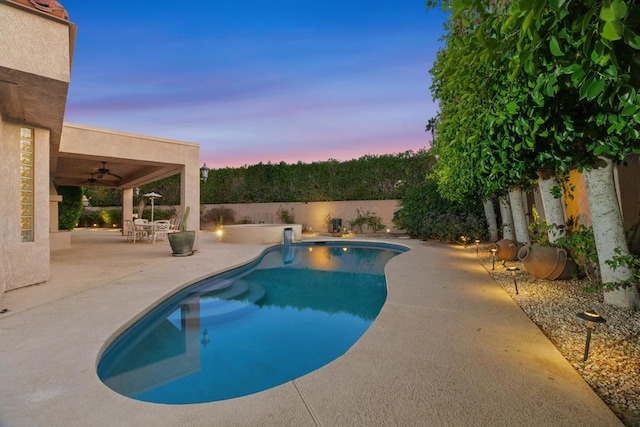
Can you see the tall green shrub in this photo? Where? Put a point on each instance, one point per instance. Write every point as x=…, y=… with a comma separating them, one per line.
x=426, y=215
x=70, y=209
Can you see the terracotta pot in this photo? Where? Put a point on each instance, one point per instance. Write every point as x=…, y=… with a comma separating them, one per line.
x=507, y=249
x=51, y=7
x=547, y=262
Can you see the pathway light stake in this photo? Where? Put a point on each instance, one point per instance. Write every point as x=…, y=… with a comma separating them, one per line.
x=464, y=241
x=591, y=316
x=477, y=246
x=493, y=258
x=513, y=273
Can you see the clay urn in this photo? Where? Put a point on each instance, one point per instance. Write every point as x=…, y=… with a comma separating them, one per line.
x=507, y=250
x=547, y=262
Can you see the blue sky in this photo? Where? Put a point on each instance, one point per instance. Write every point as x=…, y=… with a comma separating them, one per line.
x=254, y=81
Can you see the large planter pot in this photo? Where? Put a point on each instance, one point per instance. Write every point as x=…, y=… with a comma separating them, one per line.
x=547, y=262
x=182, y=242
x=507, y=250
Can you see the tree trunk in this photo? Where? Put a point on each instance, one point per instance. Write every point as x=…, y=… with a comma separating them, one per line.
x=608, y=231
x=507, y=220
x=519, y=217
x=141, y=206
x=490, y=213
x=553, y=207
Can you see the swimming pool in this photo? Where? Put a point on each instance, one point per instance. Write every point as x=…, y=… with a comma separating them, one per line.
x=290, y=312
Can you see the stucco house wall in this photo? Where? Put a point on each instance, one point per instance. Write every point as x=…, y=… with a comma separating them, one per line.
x=23, y=263
x=36, y=52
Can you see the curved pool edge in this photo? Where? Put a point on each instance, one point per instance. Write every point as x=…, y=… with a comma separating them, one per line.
x=200, y=274
x=119, y=332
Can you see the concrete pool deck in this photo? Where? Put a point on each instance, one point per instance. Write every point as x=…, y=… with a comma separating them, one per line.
x=449, y=348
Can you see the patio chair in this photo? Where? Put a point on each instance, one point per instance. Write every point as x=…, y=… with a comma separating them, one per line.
x=160, y=230
x=139, y=230
x=128, y=229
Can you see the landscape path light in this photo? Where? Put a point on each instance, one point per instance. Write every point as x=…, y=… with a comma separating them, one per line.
x=513, y=273
x=477, y=246
x=493, y=258
x=591, y=317
x=464, y=241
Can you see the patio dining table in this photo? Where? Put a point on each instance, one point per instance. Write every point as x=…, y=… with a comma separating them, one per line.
x=156, y=230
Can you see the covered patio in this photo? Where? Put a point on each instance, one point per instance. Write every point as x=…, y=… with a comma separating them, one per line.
x=89, y=156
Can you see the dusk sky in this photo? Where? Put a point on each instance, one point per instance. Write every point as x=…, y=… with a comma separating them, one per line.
x=258, y=81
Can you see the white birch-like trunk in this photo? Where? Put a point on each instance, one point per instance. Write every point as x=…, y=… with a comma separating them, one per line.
x=519, y=217
x=507, y=220
x=608, y=231
x=553, y=208
x=490, y=213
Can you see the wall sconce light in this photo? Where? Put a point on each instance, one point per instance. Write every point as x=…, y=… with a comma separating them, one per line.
x=493, y=258
x=513, y=273
x=591, y=317
x=477, y=247
x=136, y=191
x=204, y=172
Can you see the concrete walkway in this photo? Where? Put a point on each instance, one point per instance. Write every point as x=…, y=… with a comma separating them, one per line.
x=450, y=348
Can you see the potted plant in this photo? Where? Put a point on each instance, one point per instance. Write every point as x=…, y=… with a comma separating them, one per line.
x=182, y=241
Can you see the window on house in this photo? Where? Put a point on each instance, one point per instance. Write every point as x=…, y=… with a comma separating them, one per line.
x=26, y=184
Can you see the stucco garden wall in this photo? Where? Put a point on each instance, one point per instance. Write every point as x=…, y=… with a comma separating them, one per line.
x=313, y=214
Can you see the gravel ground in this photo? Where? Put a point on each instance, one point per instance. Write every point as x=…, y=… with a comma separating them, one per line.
x=613, y=365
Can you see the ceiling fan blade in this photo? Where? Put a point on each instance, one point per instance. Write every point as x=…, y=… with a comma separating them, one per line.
x=113, y=174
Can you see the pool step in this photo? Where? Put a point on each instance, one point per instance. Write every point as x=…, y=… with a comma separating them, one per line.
x=231, y=302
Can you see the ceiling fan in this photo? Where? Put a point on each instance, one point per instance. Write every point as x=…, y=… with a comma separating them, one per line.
x=104, y=171
x=91, y=181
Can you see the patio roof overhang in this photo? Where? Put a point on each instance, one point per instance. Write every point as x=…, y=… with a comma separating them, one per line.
x=132, y=160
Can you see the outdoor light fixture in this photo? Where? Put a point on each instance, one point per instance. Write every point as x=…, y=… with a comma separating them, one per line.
x=513, y=273
x=464, y=241
x=136, y=191
x=477, y=246
x=591, y=317
x=493, y=258
x=204, y=172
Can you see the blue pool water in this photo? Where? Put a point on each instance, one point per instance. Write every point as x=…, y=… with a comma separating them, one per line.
x=289, y=313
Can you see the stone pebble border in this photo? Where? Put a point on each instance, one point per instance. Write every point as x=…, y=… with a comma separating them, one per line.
x=613, y=365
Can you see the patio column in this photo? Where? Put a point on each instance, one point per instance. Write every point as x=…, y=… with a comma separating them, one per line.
x=127, y=206
x=190, y=192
